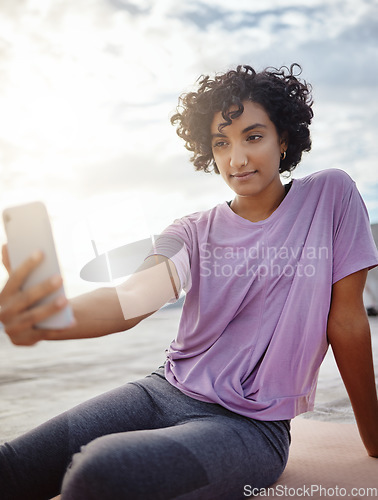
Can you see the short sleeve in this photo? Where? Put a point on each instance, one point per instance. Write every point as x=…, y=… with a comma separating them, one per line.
x=173, y=244
x=354, y=247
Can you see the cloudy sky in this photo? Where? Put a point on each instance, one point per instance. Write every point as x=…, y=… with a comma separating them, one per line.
x=87, y=88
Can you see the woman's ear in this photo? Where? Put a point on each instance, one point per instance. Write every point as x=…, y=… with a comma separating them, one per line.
x=284, y=141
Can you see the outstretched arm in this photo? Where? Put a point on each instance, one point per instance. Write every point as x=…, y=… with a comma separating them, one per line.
x=97, y=313
x=349, y=335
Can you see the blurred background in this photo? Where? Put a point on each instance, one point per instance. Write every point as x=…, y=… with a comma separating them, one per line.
x=87, y=88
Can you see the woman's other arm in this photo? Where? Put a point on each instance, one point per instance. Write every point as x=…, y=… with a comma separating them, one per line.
x=349, y=335
x=97, y=313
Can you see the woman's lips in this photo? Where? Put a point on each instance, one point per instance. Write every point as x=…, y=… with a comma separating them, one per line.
x=244, y=175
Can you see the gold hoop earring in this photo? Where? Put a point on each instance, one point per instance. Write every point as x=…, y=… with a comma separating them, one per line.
x=283, y=155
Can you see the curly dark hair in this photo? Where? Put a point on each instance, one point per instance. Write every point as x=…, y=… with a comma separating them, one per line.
x=284, y=97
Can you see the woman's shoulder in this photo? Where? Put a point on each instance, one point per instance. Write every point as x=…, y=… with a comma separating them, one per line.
x=202, y=216
x=195, y=223
x=331, y=178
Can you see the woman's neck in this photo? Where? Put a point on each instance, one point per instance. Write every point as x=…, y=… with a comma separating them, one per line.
x=260, y=207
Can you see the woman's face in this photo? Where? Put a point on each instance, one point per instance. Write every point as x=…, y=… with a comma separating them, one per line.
x=247, y=152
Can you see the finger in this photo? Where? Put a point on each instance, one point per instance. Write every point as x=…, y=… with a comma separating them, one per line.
x=19, y=275
x=22, y=326
x=51, y=334
x=26, y=337
x=25, y=299
x=5, y=258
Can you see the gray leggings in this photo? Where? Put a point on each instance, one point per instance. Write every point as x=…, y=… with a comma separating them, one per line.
x=145, y=440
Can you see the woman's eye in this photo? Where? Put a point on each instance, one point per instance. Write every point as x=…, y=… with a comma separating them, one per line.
x=253, y=137
x=219, y=144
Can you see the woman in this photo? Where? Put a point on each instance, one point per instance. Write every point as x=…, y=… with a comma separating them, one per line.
x=271, y=278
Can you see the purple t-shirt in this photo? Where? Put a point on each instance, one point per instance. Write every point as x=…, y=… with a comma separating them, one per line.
x=252, y=334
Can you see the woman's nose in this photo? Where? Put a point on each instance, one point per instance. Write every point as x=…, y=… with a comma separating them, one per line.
x=238, y=157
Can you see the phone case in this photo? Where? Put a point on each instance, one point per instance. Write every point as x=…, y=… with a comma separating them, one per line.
x=28, y=229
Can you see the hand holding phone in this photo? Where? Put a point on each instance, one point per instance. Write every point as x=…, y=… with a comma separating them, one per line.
x=28, y=230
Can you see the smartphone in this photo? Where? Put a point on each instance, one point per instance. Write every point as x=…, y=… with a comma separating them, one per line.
x=28, y=229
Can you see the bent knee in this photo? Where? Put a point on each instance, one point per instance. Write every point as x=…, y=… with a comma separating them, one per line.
x=89, y=471
x=139, y=465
